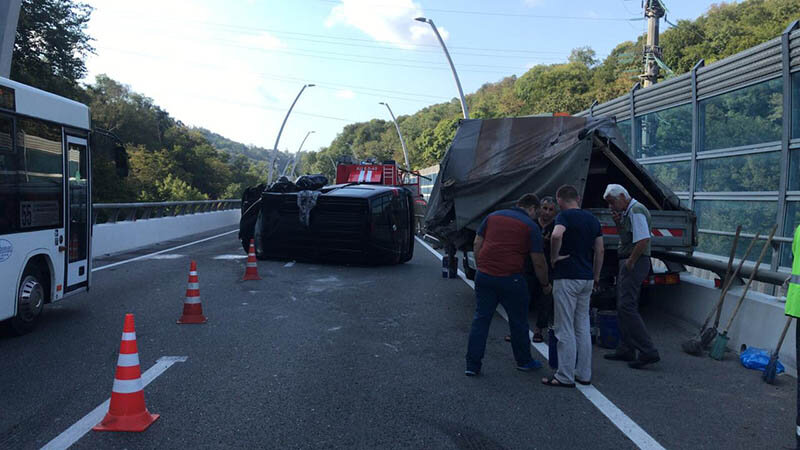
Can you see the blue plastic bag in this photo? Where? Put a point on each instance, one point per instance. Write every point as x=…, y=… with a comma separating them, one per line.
x=758, y=359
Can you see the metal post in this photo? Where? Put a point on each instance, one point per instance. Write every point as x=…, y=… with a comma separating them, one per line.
x=402, y=141
x=785, y=137
x=277, y=139
x=634, y=141
x=296, y=155
x=464, y=108
x=696, y=133
x=9, y=16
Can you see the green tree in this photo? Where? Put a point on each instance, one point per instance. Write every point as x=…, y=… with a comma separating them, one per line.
x=51, y=44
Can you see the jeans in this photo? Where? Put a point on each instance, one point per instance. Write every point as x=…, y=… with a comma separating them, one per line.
x=512, y=293
x=543, y=304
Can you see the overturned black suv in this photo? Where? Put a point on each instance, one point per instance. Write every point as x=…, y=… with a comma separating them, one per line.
x=347, y=224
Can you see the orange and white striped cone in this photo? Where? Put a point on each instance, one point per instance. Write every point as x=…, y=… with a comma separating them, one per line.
x=127, y=411
x=192, y=307
x=251, y=272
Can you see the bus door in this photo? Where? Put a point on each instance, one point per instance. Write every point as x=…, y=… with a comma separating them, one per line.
x=77, y=221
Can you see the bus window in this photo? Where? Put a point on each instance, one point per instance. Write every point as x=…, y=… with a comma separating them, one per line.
x=8, y=177
x=40, y=174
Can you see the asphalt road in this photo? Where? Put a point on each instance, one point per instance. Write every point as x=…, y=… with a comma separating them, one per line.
x=324, y=356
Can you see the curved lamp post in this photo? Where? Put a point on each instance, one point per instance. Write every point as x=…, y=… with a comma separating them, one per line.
x=277, y=139
x=464, y=108
x=402, y=141
x=297, y=155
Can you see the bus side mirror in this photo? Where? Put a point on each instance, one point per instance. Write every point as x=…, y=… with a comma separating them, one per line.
x=121, y=161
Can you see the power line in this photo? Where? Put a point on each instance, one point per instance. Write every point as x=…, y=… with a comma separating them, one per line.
x=360, y=89
x=499, y=14
x=136, y=16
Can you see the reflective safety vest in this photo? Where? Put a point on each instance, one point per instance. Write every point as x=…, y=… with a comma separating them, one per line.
x=793, y=295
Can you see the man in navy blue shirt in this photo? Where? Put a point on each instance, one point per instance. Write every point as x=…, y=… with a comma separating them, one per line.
x=503, y=241
x=576, y=251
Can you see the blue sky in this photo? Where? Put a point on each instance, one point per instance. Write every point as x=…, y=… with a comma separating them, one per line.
x=234, y=67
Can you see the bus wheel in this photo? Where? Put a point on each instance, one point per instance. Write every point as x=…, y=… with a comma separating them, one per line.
x=30, y=303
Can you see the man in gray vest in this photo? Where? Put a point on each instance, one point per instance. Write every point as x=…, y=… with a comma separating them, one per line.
x=633, y=226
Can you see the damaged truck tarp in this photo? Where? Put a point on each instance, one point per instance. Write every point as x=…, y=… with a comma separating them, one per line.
x=493, y=162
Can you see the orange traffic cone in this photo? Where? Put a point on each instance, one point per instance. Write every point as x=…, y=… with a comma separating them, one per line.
x=127, y=411
x=251, y=273
x=192, y=307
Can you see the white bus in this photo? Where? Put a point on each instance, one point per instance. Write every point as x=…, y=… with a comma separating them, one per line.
x=45, y=201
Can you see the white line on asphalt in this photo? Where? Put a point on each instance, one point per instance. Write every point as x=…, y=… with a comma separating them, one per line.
x=150, y=255
x=81, y=427
x=624, y=423
x=289, y=264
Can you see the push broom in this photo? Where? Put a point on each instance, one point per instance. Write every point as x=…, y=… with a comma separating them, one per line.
x=718, y=350
x=696, y=344
x=772, y=367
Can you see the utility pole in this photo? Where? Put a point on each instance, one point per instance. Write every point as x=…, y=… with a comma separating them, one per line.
x=653, y=11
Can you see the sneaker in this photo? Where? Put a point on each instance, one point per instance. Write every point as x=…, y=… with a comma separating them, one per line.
x=471, y=373
x=533, y=365
x=644, y=360
x=616, y=356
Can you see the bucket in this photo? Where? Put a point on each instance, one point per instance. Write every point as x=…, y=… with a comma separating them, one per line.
x=552, y=347
x=608, y=324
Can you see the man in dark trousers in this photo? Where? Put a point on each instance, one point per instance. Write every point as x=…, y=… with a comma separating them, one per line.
x=577, y=257
x=503, y=241
x=633, y=225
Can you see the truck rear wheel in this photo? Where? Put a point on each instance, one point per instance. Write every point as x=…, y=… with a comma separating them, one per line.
x=31, y=296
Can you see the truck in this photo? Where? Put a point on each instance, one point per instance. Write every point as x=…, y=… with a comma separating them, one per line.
x=493, y=162
x=386, y=173
x=368, y=217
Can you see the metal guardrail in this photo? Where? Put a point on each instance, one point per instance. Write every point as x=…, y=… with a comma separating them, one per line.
x=116, y=212
x=719, y=267
x=776, y=239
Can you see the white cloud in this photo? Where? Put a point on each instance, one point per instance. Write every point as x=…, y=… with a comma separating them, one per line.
x=392, y=21
x=346, y=94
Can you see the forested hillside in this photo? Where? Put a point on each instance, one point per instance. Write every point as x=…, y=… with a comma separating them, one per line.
x=571, y=87
x=170, y=161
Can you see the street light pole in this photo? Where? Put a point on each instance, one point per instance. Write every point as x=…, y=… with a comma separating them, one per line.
x=464, y=108
x=277, y=139
x=402, y=141
x=296, y=155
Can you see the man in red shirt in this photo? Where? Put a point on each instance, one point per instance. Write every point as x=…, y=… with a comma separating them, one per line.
x=503, y=241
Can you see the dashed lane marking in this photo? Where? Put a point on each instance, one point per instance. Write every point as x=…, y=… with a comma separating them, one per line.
x=229, y=257
x=620, y=420
x=167, y=256
x=289, y=264
x=82, y=426
x=150, y=255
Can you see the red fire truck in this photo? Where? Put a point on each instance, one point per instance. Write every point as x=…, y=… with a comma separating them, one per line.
x=389, y=174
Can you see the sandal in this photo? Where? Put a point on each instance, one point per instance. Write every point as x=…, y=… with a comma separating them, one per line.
x=553, y=382
x=508, y=338
x=585, y=383
x=537, y=337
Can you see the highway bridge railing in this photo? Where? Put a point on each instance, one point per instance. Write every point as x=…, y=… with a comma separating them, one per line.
x=119, y=212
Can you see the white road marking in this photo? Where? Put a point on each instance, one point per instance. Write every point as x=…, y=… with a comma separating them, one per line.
x=82, y=426
x=334, y=329
x=230, y=257
x=167, y=256
x=328, y=279
x=289, y=264
x=149, y=255
x=624, y=423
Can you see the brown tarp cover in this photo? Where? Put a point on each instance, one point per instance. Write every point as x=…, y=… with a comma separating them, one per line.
x=492, y=162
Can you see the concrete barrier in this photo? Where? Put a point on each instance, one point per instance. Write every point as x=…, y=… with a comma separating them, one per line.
x=758, y=324
x=110, y=238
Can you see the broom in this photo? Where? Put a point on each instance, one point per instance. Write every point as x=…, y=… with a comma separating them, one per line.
x=695, y=344
x=718, y=350
x=772, y=367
